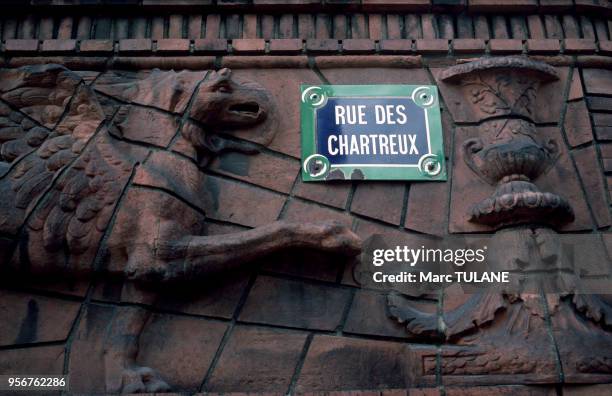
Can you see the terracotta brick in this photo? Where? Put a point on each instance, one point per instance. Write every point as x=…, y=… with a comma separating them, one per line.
x=597, y=81
x=588, y=168
x=465, y=26
x=285, y=26
x=305, y=263
x=288, y=303
x=269, y=171
x=518, y=27
x=19, y=45
x=135, y=45
x=376, y=75
x=358, y=46
x=333, y=194
x=64, y=30
x=577, y=124
x=337, y=363
x=605, y=47
x=396, y=46
x=286, y=46
x=210, y=45
x=58, y=46
x=579, y=46
x=570, y=26
x=43, y=359
x=213, y=22
x=322, y=45
x=29, y=318
x=606, y=151
x=587, y=390
x=575, y=91
x=427, y=46
x=28, y=28
x=505, y=46
x=257, y=359
x=298, y=210
x=602, y=119
x=194, y=27
x=322, y=26
x=501, y=390
x=45, y=27
x=306, y=26
x=429, y=27
x=555, y=5
x=462, y=46
x=249, y=26
x=481, y=27
x=599, y=103
x=232, y=26
x=395, y=5
x=394, y=29
x=267, y=26
x=249, y=46
x=340, y=26
x=446, y=26
x=427, y=209
x=603, y=133
x=375, y=28
x=502, y=5
x=543, y=46
x=553, y=27
x=500, y=27
x=379, y=200
x=99, y=46
x=87, y=350
x=173, y=45
x=359, y=27
x=368, y=316
x=188, y=360
x=83, y=28
x=238, y=200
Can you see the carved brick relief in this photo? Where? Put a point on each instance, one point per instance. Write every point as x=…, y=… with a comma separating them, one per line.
x=504, y=334
x=109, y=186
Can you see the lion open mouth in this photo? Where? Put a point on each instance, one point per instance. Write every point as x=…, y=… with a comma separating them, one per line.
x=247, y=109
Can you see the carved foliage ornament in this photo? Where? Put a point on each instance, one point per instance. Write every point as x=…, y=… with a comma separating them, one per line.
x=509, y=153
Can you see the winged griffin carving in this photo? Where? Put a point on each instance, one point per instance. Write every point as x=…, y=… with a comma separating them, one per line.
x=71, y=171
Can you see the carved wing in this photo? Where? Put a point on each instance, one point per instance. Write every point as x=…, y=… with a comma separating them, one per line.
x=48, y=116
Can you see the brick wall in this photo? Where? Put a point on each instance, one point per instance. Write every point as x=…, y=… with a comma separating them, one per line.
x=299, y=322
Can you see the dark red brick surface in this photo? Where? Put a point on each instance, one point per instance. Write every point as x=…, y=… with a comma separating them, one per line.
x=300, y=322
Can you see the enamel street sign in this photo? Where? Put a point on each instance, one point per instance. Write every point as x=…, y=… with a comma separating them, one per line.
x=376, y=132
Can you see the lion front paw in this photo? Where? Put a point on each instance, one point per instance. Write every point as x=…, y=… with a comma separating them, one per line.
x=142, y=379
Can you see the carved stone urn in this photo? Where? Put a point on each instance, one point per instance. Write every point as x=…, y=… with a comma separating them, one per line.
x=509, y=153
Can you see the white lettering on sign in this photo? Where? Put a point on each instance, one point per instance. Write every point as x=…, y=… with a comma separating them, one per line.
x=392, y=144
x=390, y=114
x=350, y=115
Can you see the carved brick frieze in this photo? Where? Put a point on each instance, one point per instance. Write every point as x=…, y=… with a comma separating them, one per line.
x=119, y=189
x=502, y=333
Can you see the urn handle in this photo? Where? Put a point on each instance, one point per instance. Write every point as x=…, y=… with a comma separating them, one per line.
x=470, y=148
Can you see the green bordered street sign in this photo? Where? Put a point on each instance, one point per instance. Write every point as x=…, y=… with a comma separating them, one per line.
x=376, y=132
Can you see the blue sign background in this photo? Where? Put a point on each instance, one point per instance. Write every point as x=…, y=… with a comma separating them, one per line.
x=326, y=126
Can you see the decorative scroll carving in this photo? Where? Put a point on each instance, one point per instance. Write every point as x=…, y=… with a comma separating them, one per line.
x=69, y=165
x=503, y=332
